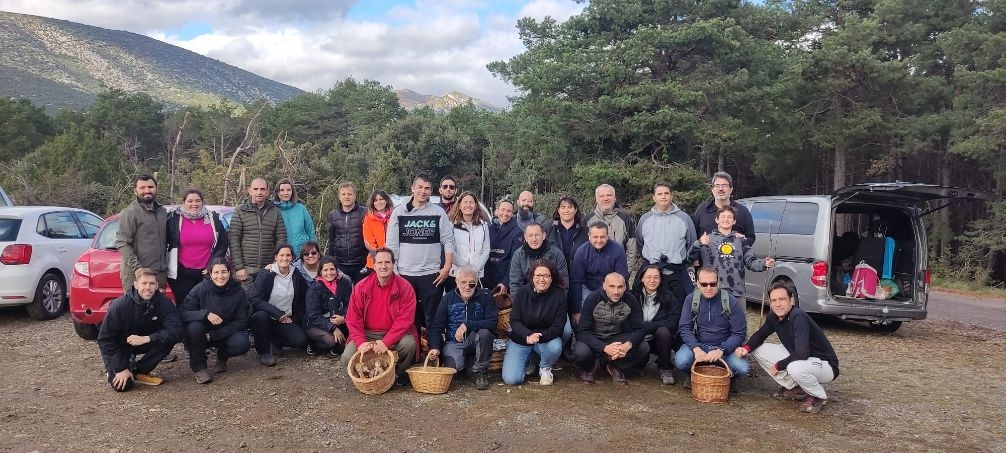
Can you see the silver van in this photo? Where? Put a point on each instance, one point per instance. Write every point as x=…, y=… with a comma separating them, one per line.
x=815, y=240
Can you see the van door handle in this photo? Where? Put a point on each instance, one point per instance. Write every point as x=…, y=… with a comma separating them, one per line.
x=794, y=259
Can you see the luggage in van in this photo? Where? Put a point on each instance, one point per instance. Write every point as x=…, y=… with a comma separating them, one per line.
x=878, y=252
x=864, y=282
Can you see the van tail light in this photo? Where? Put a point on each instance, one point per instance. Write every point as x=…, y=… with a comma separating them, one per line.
x=926, y=278
x=16, y=254
x=820, y=276
x=82, y=268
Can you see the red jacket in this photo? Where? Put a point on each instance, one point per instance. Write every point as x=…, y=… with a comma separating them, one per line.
x=390, y=308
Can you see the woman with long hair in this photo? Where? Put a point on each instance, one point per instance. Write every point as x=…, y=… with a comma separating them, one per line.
x=296, y=218
x=375, y=223
x=661, y=312
x=194, y=235
x=277, y=319
x=471, y=238
x=537, y=318
x=215, y=314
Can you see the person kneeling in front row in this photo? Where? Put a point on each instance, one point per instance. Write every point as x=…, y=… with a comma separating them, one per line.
x=712, y=325
x=215, y=314
x=381, y=315
x=463, y=324
x=142, y=321
x=803, y=361
x=610, y=331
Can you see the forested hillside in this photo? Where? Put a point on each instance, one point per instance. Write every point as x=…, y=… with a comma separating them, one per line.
x=790, y=97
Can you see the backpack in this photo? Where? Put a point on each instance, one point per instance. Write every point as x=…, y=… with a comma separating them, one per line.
x=863, y=284
x=697, y=297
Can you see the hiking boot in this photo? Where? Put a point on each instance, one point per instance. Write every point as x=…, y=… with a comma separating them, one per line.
x=667, y=377
x=278, y=351
x=812, y=404
x=546, y=376
x=687, y=383
x=221, y=366
x=733, y=384
x=530, y=369
x=311, y=351
x=402, y=380
x=171, y=357
x=203, y=376
x=482, y=380
x=783, y=393
x=587, y=376
x=617, y=375
x=266, y=359
x=147, y=379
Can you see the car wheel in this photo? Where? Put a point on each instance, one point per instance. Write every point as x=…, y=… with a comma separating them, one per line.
x=50, y=298
x=888, y=327
x=86, y=331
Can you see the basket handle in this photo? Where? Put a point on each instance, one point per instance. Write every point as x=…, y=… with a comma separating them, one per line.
x=720, y=360
x=427, y=361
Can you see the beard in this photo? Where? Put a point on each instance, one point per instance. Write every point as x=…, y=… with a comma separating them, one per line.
x=145, y=199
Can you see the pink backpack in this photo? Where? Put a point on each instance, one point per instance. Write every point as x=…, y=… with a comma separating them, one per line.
x=864, y=282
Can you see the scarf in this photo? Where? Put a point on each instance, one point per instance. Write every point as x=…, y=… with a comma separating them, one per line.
x=535, y=254
x=331, y=285
x=202, y=214
x=383, y=216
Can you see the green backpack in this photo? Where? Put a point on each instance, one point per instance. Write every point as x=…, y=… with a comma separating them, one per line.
x=697, y=297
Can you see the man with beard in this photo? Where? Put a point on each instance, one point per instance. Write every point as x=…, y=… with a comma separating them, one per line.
x=142, y=321
x=535, y=247
x=448, y=191
x=664, y=236
x=705, y=214
x=142, y=236
x=621, y=228
x=526, y=214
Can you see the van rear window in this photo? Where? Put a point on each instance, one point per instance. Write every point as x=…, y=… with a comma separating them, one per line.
x=766, y=215
x=9, y=229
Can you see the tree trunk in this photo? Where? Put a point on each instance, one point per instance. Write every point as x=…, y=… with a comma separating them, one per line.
x=944, y=234
x=838, y=178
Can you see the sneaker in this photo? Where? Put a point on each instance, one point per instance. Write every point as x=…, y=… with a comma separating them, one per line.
x=266, y=359
x=733, y=384
x=783, y=393
x=171, y=357
x=278, y=351
x=482, y=380
x=667, y=377
x=203, y=376
x=687, y=383
x=334, y=353
x=557, y=366
x=402, y=380
x=530, y=369
x=617, y=375
x=587, y=376
x=812, y=404
x=221, y=366
x=147, y=379
x=546, y=376
x=311, y=351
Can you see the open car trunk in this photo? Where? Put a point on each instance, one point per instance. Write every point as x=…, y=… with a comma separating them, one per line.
x=878, y=223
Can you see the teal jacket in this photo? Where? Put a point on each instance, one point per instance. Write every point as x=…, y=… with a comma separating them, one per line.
x=299, y=224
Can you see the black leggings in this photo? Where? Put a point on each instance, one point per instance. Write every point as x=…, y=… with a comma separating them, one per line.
x=325, y=340
x=268, y=332
x=185, y=281
x=197, y=341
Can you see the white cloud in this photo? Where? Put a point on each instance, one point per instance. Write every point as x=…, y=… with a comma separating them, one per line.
x=432, y=46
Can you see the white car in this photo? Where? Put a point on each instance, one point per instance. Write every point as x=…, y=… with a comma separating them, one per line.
x=38, y=246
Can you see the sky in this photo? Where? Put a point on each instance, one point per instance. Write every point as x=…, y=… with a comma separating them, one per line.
x=428, y=46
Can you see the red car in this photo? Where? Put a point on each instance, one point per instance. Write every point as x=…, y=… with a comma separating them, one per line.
x=96, y=281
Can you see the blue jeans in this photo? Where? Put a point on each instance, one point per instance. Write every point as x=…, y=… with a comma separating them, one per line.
x=517, y=356
x=684, y=358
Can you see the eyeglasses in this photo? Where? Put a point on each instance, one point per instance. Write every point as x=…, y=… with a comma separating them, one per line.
x=311, y=253
x=542, y=275
x=467, y=285
x=707, y=284
x=721, y=186
x=448, y=186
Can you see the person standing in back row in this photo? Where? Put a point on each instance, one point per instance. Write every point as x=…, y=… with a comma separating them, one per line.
x=296, y=219
x=621, y=227
x=256, y=229
x=419, y=233
x=664, y=236
x=345, y=233
x=142, y=235
x=705, y=215
x=448, y=193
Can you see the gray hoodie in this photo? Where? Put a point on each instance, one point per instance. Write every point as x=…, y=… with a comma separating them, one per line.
x=418, y=236
x=669, y=234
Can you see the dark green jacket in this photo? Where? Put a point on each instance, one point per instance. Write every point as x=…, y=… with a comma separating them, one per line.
x=142, y=238
x=254, y=234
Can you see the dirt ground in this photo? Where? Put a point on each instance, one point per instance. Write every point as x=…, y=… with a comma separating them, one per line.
x=933, y=385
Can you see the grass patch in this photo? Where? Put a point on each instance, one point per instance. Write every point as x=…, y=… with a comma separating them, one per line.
x=968, y=287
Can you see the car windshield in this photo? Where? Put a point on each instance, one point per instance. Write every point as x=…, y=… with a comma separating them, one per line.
x=106, y=238
x=9, y=229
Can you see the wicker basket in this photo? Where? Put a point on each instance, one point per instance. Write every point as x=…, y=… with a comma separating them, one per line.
x=434, y=379
x=503, y=300
x=711, y=383
x=377, y=384
x=503, y=323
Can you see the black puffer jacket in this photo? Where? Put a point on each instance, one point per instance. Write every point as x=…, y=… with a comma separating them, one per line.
x=321, y=303
x=229, y=302
x=345, y=236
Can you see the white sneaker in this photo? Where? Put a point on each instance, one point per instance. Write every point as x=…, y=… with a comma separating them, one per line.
x=546, y=376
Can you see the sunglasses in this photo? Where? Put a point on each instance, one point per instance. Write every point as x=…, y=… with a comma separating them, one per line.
x=708, y=285
x=467, y=285
x=311, y=253
x=448, y=186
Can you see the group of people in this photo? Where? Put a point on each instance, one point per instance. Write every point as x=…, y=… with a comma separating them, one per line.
x=395, y=275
